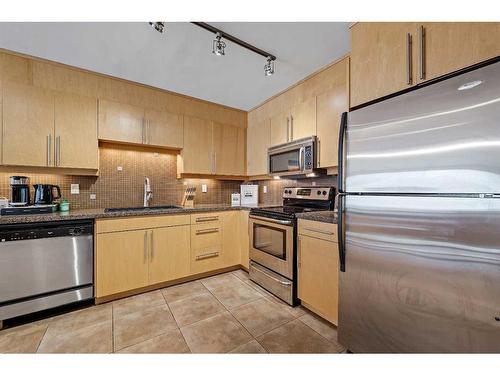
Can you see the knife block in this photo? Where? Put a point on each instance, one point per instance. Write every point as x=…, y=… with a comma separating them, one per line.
x=188, y=199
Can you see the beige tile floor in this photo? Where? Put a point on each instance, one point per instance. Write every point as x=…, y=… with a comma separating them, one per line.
x=226, y=313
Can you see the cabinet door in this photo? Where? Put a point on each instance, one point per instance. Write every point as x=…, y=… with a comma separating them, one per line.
x=450, y=46
x=280, y=128
x=318, y=276
x=244, y=238
x=329, y=107
x=120, y=122
x=206, y=248
x=229, y=149
x=121, y=262
x=164, y=129
x=231, y=238
x=76, y=131
x=28, y=125
x=379, y=60
x=258, y=141
x=169, y=253
x=197, y=153
x=303, y=119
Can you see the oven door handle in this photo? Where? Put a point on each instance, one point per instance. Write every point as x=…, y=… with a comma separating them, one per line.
x=301, y=159
x=282, y=222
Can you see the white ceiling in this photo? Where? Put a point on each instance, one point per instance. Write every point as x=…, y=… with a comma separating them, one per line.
x=181, y=58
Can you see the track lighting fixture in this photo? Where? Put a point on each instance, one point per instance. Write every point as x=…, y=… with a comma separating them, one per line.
x=218, y=45
x=158, y=26
x=269, y=67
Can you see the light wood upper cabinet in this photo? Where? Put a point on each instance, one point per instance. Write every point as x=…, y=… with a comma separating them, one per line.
x=382, y=59
x=197, y=154
x=280, y=129
x=28, y=126
x=229, y=149
x=120, y=122
x=122, y=262
x=76, y=144
x=169, y=250
x=303, y=119
x=450, y=46
x=258, y=141
x=329, y=108
x=164, y=129
x=318, y=275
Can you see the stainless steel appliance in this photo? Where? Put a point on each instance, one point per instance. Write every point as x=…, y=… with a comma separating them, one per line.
x=298, y=157
x=273, y=239
x=20, y=191
x=419, y=219
x=44, y=265
x=44, y=194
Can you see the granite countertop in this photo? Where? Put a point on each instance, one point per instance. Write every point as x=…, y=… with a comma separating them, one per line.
x=323, y=216
x=98, y=213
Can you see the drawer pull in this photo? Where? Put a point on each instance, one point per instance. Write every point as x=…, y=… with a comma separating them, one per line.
x=206, y=256
x=206, y=218
x=206, y=231
x=328, y=233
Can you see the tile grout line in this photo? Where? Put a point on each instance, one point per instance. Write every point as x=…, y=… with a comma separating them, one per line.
x=175, y=320
x=40, y=342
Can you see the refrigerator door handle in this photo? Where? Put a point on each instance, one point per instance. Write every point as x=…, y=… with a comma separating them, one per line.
x=343, y=126
x=340, y=231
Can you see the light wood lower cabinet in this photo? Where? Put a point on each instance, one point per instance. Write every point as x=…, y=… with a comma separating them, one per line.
x=206, y=247
x=122, y=262
x=231, y=238
x=244, y=239
x=169, y=253
x=318, y=269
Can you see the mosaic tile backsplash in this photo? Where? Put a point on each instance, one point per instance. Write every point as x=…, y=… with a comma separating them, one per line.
x=125, y=188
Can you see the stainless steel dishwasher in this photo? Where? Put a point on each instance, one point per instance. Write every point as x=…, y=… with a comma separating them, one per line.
x=45, y=265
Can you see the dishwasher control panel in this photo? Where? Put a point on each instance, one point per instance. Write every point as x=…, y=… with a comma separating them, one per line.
x=32, y=232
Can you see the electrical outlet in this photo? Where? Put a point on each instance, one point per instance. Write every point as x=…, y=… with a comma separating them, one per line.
x=75, y=188
x=204, y=188
x=93, y=196
x=119, y=168
x=264, y=189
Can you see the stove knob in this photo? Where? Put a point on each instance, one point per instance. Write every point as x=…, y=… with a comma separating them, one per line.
x=324, y=192
x=319, y=192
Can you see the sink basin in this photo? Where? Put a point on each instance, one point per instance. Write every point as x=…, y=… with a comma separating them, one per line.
x=140, y=208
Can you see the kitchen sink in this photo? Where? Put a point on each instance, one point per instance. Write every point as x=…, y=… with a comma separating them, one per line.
x=141, y=208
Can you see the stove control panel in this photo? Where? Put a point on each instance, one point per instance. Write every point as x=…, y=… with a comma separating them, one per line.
x=313, y=192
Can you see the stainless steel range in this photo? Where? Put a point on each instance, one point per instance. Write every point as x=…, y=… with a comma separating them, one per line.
x=273, y=239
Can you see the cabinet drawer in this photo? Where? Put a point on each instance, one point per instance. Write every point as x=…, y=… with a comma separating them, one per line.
x=144, y=222
x=208, y=217
x=317, y=229
x=206, y=247
x=206, y=236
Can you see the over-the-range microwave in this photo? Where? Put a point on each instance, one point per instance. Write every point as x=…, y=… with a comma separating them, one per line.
x=294, y=158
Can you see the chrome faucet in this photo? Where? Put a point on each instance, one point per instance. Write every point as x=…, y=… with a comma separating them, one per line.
x=148, y=193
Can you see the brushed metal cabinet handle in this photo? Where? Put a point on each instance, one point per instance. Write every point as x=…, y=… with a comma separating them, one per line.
x=291, y=128
x=422, y=52
x=208, y=255
x=145, y=246
x=49, y=148
x=151, y=245
x=206, y=218
x=206, y=231
x=408, y=59
x=320, y=231
x=215, y=162
x=58, y=151
x=288, y=129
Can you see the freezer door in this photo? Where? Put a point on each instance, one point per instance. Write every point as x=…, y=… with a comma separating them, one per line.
x=442, y=138
x=422, y=275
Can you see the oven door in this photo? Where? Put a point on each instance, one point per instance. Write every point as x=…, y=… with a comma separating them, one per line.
x=271, y=244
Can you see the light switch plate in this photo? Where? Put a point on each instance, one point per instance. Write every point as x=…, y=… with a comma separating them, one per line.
x=119, y=168
x=204, y=188
x=264, y=189
x=75, y=188
x=92, y=196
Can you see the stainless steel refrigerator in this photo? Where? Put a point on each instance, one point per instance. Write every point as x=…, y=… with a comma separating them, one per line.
x=419, y=219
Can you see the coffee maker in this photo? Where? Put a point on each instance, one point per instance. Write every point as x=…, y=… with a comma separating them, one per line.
x=20, y=191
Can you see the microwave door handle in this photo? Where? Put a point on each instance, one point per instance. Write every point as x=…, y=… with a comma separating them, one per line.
x=301, y=159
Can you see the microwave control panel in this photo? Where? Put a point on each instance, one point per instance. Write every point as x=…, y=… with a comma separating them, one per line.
x=308, y=158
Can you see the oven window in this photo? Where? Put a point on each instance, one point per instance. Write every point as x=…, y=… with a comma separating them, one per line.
x=285, y=162
x=270, y=240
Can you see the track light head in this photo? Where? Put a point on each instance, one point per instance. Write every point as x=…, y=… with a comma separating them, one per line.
x=269, y=67
x=158, y=26
x=218, y=45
